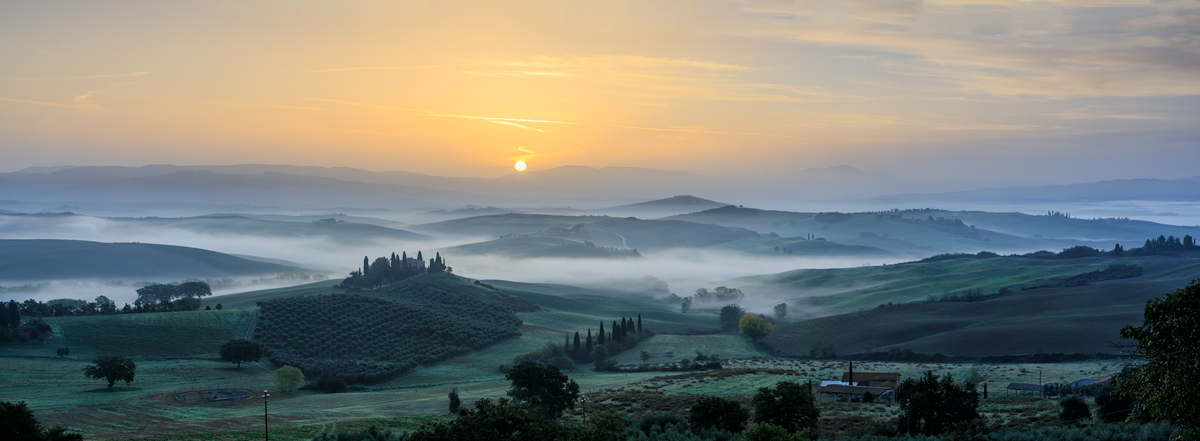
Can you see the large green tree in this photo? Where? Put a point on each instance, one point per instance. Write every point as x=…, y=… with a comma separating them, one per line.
x=730, y=314
x=754, y=327
x=157, y=292
x=111, y=368
x=789, y=405
x=543, y=386
x=1166, y=385
x=195, y=289
x=239, y=350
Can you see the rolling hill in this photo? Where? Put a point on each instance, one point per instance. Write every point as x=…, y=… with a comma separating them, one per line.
x=57, y=225
x=662, y=207
x=540, y=247
x=46, y=259
x=606, y=231
x=1076, y=319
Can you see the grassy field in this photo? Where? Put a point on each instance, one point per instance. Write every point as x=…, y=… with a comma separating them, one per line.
x=250, y=299
x=1081, y=319
x=193, y=334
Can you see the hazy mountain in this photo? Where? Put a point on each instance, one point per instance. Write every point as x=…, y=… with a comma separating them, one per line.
x=1187, y=189
x=37, y=259
x=662, y=207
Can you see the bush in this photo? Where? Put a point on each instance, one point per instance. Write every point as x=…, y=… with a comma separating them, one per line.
x=718, y=413
x=936, y=405
x=287, y=379
x=770, y=432
x=661, y=420
x=1073, y=408
x=788, y=405
x=368, y=434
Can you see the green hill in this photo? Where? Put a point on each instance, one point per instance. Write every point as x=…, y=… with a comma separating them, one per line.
x=343, y=233
x=373, y=336
x=44, y=259
x=890, y=231
x=1079, y=319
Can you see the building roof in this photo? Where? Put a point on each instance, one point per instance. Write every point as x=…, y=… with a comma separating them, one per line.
x=854, y=390
x=1025, y=386
x=871, y=376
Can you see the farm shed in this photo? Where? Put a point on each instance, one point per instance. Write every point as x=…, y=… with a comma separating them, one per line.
x=852, y=393
x=1025, y=387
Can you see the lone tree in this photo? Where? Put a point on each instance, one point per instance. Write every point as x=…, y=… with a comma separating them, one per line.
x=780, y=311
x=287, y=379
x=111, y=368
x=730, y=314
x=194, y=289
x=718, y=412
x=543, y=386
x=239, y=350
x=789, y=405
x=754, y=327
x=1168, y=340
x=934, y=405
x=455, y=402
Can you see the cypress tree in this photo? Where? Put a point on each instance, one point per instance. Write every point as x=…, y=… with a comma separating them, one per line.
x=589, y=340
x=419, y=256
x=366, y=266
x=639, y=324
x=576, y=341
x=404, y=262
x=600, y=336
x=14, y=314
x=616, y=335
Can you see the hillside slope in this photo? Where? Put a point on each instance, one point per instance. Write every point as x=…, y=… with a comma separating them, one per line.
x=1079, y=319
x=44, y=259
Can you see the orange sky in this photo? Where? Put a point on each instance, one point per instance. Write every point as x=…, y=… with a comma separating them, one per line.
x=468, y=88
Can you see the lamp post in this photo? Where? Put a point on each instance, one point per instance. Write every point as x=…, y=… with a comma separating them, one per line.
x=266, y=424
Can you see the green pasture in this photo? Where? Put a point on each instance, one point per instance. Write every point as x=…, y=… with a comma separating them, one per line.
x=1080, y=319
x=246, y=300
x=149, y=335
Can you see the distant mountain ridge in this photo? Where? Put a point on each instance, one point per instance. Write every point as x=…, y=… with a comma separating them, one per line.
x=223, y=188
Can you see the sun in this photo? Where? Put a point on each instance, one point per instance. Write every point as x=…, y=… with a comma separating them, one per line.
x=520, y=166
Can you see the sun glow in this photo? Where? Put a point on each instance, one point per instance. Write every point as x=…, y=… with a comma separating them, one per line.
x=520, y=166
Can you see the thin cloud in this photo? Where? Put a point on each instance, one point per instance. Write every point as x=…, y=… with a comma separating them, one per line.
x=517, y=125
x=223, y=103
x=701, y=129
x=82, y=105
x=350, y=69
x=434, y=114
x=86, y=77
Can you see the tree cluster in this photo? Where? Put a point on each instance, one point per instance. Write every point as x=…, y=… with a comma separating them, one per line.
x=1168, y=340
x=585, y=348
x=933, y=405
x=387, y=270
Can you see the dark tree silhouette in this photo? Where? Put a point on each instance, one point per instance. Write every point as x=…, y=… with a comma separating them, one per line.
x=544, y=387
x=111, y=368
x=239, y=350
x=718, y=412
x=789, y=405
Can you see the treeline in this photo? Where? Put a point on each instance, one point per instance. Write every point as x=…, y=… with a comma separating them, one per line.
x=719, y=295
x=155, y=297
x=585, y=349
x=215, y=284
x=367, y=338
x=389, y=270
x=1161, y=245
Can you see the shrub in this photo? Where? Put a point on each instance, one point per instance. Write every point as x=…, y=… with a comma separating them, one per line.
x=770, y=432
x=661, y=420
x=1073, y=408
x=287, y=379
x=788, y=405
x=719, y=413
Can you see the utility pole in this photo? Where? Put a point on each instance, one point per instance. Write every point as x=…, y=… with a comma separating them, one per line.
x=266, y=423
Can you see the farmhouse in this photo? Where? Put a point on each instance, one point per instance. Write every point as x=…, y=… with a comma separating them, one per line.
x=881, y=385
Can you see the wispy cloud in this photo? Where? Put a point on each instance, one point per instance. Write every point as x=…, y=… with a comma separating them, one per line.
x=78, y=104
x=702, y=129
x=351, y=69
x=517, y=125
x=439, y=115
x=85, y=77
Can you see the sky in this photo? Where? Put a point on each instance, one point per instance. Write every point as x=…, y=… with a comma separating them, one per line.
x=1055, y=91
